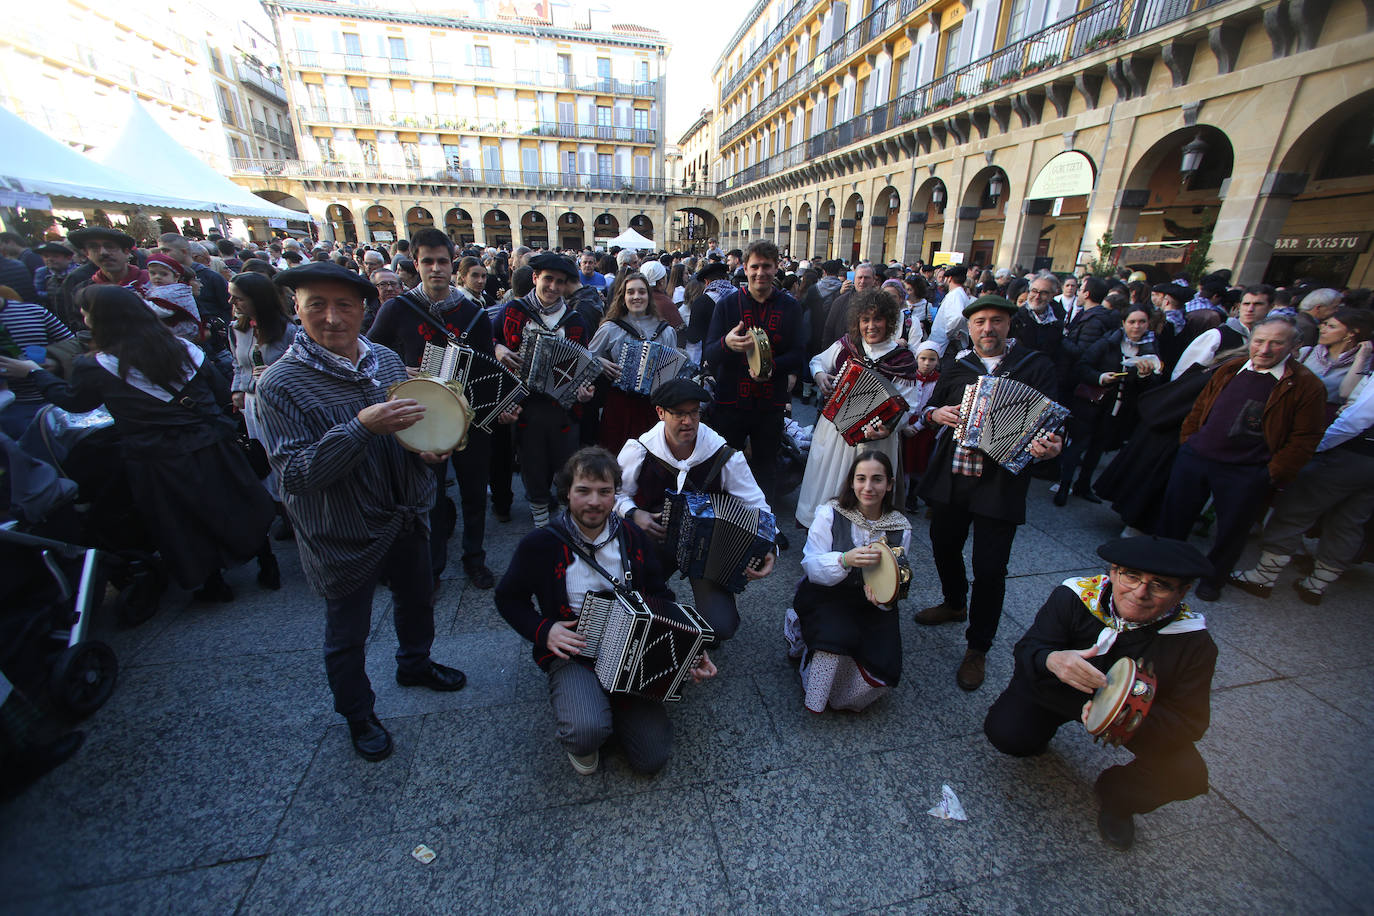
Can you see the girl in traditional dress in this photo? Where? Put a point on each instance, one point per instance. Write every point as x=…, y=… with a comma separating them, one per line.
x=918, y=439
x=873, y=324
x=849, y=647
x=630, y=316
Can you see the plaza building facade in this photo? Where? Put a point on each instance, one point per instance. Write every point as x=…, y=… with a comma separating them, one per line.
x=1028, y=132
x=540, y=127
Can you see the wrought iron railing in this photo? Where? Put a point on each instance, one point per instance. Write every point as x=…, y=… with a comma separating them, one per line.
x=370, y=117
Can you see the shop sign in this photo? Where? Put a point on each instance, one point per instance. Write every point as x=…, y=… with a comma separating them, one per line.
x=1335, y=243
x=947, y=257
x=1067, y=175
x=1155, y=255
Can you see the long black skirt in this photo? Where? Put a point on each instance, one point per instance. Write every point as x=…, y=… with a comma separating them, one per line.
x=207, y=509
x=841, y=620
x=1136, y=480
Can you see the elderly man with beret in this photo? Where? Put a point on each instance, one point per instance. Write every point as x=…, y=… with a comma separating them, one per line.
x=359, y=501
x=1135, y=610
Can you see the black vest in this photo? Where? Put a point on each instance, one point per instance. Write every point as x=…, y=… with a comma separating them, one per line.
x=657, y=477
x=841, y=541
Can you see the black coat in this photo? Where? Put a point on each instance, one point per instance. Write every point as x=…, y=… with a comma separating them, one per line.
x=1116, y=415
x=1047, y=338
x=1086, y=329
x=999, y=493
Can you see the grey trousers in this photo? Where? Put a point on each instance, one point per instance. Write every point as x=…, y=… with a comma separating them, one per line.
x=588, y=716
x=1336, y=486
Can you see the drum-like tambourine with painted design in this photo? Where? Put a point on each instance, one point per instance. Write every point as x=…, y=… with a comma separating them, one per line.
x=890, y=578
x=444, y=426
x=1120, y=706
x=760, y=355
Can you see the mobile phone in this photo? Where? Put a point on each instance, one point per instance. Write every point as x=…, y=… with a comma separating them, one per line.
x=850, y=275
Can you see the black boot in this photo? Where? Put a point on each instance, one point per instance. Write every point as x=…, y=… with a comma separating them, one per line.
x=215, y=589
x=269, y=573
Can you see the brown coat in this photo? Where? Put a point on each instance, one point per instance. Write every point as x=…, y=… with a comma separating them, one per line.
x=1294, y=415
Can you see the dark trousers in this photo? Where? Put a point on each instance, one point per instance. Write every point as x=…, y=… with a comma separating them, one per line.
x=762, y=429
x=471, y=467
x=502, y=466
x=992, y=539
x=1083, y=451
x=348, y=620
x=588, y=716
x=1238, y=493
x=1160, y=773
x=547, y=436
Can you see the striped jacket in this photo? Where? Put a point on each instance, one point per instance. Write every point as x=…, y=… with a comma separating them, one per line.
x=349, y=492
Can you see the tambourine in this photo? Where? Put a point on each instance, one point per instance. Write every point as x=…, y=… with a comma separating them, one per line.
x=890, y=578
x=444, y=426
x=1120, y=706
x=761, y=355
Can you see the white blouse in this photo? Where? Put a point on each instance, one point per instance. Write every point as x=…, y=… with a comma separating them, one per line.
x=820, y=563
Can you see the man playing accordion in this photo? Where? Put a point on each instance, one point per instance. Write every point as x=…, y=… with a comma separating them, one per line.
x=557, y=566
x=966, y=489
x=680, y=454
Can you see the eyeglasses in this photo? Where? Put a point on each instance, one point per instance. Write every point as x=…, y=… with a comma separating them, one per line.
x=1130, y=580
x=694, y=414
x=1041, y=292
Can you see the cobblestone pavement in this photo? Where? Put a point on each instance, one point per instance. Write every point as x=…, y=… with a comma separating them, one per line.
x=217, y=779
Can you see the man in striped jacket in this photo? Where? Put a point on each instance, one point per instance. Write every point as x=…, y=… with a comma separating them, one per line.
x=359, y=501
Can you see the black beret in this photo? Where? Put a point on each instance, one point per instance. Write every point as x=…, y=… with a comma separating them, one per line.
x=54, y=248
x=548, y=260
x=80, y=237
x=1162, y=556
x=1173, y=289
x=712, y=270
x=679, y=390
x=325, y=271
x=990, y=301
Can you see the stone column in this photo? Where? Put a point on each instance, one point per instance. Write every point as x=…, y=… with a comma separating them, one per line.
x=1028, y=237
x=1250, y=219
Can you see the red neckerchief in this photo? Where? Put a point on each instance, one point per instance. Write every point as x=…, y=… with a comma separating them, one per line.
x=900, y=362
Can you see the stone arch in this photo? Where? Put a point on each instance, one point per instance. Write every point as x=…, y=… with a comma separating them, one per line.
x=643, y=225
x=801, y=231
x=851, y=228
x=534, y=229
x=699, y=226
x=458, y=225
x=825, y=229
x=784, y=239
x=883, y=224
x=572, y=232
x=340, y=220
x=418, y=218
x=770, y=226
x=757, y=232
x=381, y=223
x=605, y=228
x=982, y=215
x=496, y=228
x=926, y=220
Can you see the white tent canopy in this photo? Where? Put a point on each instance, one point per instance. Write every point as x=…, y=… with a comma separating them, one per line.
x=630, y=239
x=34, y=163
x=148, y=153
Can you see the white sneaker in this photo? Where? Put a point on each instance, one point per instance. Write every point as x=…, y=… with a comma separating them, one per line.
x=585, y=765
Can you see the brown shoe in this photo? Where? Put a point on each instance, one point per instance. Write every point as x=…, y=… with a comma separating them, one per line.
x=971, y=670
x=941, y=613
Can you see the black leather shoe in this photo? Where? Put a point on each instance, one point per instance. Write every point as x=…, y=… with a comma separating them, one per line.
x=435, y=677
x=1206, y=591
x=1088, y=495
x=370, y=738
x=269, y=573
x=781, y=541
x=1116, y=830
x=1061, y=496
x=215, y=589
x=479, y=575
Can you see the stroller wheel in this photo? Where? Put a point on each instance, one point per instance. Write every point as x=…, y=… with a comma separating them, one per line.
x=140, y=597
x=83, y=678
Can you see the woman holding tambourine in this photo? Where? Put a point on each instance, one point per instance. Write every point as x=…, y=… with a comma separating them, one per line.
x=843, y=626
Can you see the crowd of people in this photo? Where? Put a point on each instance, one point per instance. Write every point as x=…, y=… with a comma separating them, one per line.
x=1216, y=403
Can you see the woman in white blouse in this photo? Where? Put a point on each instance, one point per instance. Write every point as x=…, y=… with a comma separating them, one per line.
x=849, y=648
x=872, y=340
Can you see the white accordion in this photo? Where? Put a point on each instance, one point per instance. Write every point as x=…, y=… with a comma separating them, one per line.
x=1001, y=417
x=641, y=646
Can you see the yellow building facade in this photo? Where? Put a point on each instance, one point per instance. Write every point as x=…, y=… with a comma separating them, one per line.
x=1024, y=133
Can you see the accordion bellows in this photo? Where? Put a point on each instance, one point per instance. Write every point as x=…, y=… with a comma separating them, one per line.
x=716, y=536
x=641, y=645
x=646, y=366
x=491, y=389
x=862, y=395
x=556, y=366
x=1001, y=417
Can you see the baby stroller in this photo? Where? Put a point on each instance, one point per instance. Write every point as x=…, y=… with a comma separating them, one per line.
x=49, y=588
x=84, y=448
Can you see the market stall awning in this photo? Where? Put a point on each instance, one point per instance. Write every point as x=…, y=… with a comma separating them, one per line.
x=629, y=239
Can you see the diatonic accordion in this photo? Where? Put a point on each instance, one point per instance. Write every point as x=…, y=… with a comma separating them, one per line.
x=646, y=366
x=555, y=366
x=1001, y=417
x=491, y=388
x=641, y=645
x=862, y=396
x=716, y=536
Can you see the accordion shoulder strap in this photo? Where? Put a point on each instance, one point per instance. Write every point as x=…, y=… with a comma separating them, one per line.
x=428, y=316
x=629, y=329
x=659, y=330
x=718, y=462
x=620, y=585
x=715, y=466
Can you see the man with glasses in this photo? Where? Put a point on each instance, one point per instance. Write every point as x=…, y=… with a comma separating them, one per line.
x=1039, y=324
x=1134, y=611
x=680, y=454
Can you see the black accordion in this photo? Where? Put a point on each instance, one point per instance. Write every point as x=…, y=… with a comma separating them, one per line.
x=717, y=537
x=641, y=645
x=1001, y=417
x=556, y=366
x=491, y=388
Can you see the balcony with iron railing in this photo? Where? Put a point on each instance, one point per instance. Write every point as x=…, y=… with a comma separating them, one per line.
x=1070, y=39
x=367, y=65
x=412, y=120
x=262, y=79
x=501, y=178
x=788, y=21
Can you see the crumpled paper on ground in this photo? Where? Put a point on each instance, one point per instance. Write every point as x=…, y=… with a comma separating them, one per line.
x=948, y=808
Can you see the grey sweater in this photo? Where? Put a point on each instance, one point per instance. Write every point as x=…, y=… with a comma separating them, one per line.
x=349, y=492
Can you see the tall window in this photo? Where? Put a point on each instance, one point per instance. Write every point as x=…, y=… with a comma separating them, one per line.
x=353, y=51
x=453, y=157
x=491, y=162
x=641, y=124
x=529, y=165
x=369, y=151
x=643, y=71
x=570, y=168
x=483, y=55
x=326, y=145
x=952, y=47
x=227, y=113
x=564, y=64
x=396, y=49
x=899, y=78
x=362, y=102
x=604, y=123
x=603, y=68
x=605, y=167
x=1016, y=20
x=411, y=153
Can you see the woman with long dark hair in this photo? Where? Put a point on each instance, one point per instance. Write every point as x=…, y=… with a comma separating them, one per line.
x=848, y=646
x=632, y=315
x=195, y=488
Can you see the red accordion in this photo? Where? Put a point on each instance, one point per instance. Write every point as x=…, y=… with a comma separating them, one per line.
x=862, y=396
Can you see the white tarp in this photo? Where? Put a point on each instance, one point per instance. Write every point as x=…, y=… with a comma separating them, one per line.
x=34, y=163
x=629, y=239
x=148, y=153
